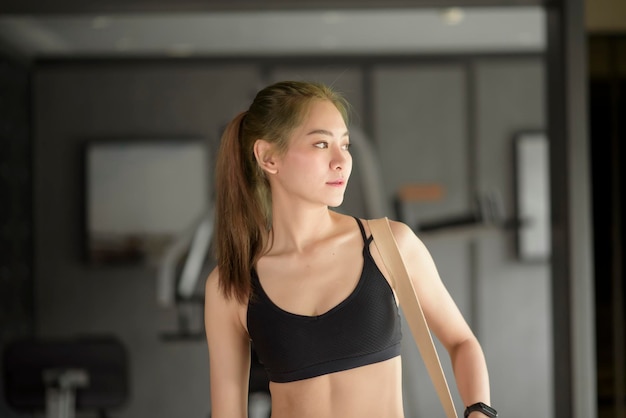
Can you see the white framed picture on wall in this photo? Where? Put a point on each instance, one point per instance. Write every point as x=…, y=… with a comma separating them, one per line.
x=140, y=195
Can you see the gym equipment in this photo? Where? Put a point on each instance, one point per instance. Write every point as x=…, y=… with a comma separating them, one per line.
x=62, y=376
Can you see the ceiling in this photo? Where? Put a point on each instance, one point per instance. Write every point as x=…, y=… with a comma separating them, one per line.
x=276, y=32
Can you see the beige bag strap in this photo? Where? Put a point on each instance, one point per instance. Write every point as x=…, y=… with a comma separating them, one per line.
x=401, y=282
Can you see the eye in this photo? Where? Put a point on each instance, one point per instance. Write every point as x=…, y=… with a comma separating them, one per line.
x=346, y=147
x=321, y=145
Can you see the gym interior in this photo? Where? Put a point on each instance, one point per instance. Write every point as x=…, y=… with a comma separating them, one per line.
x=494, y=128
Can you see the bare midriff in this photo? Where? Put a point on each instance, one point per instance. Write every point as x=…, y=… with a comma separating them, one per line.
x=372, y=391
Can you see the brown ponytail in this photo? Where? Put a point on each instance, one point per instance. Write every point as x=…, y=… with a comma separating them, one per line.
x=243, y=198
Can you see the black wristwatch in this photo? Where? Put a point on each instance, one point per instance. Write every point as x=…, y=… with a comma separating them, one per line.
x=481, y=407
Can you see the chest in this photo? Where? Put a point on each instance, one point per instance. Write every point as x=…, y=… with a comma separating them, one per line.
x=358, y=328
x=312, y=284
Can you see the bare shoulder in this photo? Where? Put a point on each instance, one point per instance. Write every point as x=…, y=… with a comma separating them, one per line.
x=403, y=233
x=221, y=311
x=214, y=296
x=408, y=242
x=212, y=285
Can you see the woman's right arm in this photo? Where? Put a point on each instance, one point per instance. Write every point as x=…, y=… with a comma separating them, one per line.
x=229, y=352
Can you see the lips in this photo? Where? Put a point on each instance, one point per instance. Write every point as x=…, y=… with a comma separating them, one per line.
x=340, y=182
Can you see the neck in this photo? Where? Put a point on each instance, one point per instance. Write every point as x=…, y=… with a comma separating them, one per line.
x=297, y=230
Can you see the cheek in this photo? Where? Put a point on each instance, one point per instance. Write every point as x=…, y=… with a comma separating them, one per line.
x=299, y=170
x=299, y=158
x=301, y=162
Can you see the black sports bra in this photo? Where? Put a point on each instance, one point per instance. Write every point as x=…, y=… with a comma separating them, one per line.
x=363, y=329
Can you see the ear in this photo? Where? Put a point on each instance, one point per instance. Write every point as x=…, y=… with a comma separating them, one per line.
x=265, y=157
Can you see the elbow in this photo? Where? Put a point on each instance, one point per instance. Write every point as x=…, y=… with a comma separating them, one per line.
x=468, y=344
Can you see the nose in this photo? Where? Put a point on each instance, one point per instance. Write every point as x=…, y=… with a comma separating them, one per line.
x=339, y=159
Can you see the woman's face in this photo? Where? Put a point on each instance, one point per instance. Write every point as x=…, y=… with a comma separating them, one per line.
x=317, y=164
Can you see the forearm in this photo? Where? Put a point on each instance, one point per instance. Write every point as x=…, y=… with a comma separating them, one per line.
x=470, y=371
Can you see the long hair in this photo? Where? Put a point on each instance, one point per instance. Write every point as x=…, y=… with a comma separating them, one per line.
x=243, y=215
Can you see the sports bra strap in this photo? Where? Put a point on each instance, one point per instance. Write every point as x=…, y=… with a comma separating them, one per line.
x=366, y=240
x=358, y=221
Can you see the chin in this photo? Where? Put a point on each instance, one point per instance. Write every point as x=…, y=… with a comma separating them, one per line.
x=335, y=199
x=335, y=203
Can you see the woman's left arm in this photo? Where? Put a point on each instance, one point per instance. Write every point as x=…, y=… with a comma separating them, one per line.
x=444, y=318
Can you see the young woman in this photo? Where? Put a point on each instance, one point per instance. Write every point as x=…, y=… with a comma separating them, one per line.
x=305, y=284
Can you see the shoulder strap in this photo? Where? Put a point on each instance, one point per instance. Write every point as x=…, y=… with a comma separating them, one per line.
x=409, y=302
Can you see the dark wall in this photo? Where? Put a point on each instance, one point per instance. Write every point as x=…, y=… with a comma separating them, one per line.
x=607, y=107
x=77, y=102
x=16, y=209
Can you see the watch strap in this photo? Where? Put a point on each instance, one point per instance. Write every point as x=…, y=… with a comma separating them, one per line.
x=481, y=407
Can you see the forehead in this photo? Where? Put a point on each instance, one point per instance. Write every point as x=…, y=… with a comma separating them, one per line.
x=323, y=113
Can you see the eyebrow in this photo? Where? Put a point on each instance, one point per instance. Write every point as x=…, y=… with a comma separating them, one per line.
x=325, y=132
